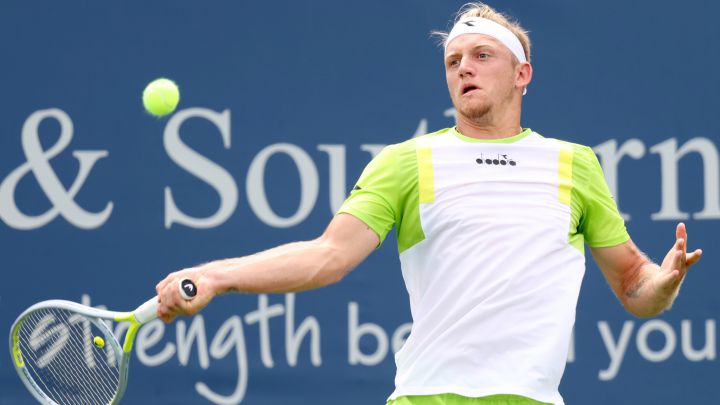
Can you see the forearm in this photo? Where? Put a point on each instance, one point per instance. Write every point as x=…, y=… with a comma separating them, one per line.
x=295, y=266
x=641, y=297
x=292, y=267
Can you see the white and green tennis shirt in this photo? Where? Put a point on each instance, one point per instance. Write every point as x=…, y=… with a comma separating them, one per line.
x=490, y=235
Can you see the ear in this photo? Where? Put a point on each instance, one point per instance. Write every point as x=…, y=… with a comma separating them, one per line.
x=524, y=75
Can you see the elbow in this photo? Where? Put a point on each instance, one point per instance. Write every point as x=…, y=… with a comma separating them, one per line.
x=336, y=265
x=334, y=278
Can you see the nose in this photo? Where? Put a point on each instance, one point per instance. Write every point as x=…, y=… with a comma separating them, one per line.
x=465, y=68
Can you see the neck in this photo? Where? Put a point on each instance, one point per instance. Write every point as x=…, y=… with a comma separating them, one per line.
x=486, y=131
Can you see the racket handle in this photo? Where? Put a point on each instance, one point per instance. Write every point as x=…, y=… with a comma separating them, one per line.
x=148, y=311
x=187, y=288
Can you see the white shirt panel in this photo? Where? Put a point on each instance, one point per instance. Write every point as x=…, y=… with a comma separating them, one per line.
x=494, y=285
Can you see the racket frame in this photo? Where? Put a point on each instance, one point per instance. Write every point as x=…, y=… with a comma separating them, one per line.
x=143, y=314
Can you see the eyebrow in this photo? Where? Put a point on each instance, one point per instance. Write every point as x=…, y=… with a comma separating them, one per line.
x=475, y=48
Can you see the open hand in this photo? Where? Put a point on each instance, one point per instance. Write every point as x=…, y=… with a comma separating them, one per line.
x=676, y=263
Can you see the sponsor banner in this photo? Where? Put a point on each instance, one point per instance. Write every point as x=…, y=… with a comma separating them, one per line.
x=282, y=105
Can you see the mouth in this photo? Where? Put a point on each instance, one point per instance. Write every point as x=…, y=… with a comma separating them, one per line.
x=469, y=88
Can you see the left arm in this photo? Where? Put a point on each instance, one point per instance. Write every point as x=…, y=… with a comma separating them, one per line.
x=644, y=288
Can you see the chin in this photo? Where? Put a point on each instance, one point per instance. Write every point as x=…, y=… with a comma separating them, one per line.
x=474, y=111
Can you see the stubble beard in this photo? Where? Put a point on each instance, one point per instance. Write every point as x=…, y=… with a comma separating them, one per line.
x=477, y=112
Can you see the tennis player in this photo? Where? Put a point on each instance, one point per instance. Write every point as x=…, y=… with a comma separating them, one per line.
x=491, y=221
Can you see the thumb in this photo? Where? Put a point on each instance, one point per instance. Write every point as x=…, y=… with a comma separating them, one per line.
x=667, y=281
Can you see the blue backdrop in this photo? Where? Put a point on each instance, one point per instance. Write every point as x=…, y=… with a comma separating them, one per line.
x=283, y=103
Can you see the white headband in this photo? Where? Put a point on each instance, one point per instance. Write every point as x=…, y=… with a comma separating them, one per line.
x=478, y=25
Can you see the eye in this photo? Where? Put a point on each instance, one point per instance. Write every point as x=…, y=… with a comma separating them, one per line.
x=453, y=62
x=483, y=55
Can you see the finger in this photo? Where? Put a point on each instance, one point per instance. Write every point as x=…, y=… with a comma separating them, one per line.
x=192, y=306
x=172, y=303
x=163, y=313
x=680, y=245
x=181, y=309
x=186, y=309
x=167, y=297
x=167, y=318
x=170, y=290
x=669, y=280
x=681, y=233
x=679, y=262
x=161, y=285
x=177, y=275
x=167, y=310
x=159, y=288
x=693, y=257
x=178, y=304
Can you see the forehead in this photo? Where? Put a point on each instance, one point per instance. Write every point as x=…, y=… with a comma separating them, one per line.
x=468, y=42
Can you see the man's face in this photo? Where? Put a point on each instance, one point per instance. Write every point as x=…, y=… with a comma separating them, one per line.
x=480, y=74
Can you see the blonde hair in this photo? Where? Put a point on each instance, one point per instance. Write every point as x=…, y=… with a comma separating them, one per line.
x=484, y=11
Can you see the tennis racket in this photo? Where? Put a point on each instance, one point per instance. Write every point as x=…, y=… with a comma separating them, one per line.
x=66, y=353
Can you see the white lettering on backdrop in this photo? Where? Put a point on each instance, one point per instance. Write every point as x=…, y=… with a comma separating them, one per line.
x=38, y=161
x=153, y=348
x=609, y=153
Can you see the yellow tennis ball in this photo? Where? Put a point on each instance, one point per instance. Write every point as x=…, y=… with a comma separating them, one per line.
x=99, y=342
x=160, y=97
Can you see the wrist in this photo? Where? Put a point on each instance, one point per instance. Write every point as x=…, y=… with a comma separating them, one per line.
x=659, y=298
x=217, y=281
x=646, y=298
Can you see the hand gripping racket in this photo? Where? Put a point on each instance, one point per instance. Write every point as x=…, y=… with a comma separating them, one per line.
x=65, y=353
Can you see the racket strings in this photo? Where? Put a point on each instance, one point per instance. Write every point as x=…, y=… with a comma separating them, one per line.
x=40, y=361
x=51, y=367
x=66, y=359
x=72, y=357
x=54, y=380
x=57, y=346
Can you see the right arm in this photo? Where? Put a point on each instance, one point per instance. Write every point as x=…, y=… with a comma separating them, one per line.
x=297, y=266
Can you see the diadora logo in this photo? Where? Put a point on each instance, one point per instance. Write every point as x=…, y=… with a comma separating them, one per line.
x=500, y=160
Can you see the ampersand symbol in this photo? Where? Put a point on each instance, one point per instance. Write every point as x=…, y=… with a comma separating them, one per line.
x=38, y=161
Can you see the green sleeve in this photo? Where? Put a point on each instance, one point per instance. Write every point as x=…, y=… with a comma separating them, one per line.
x=380, y=195
x=600, y=222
